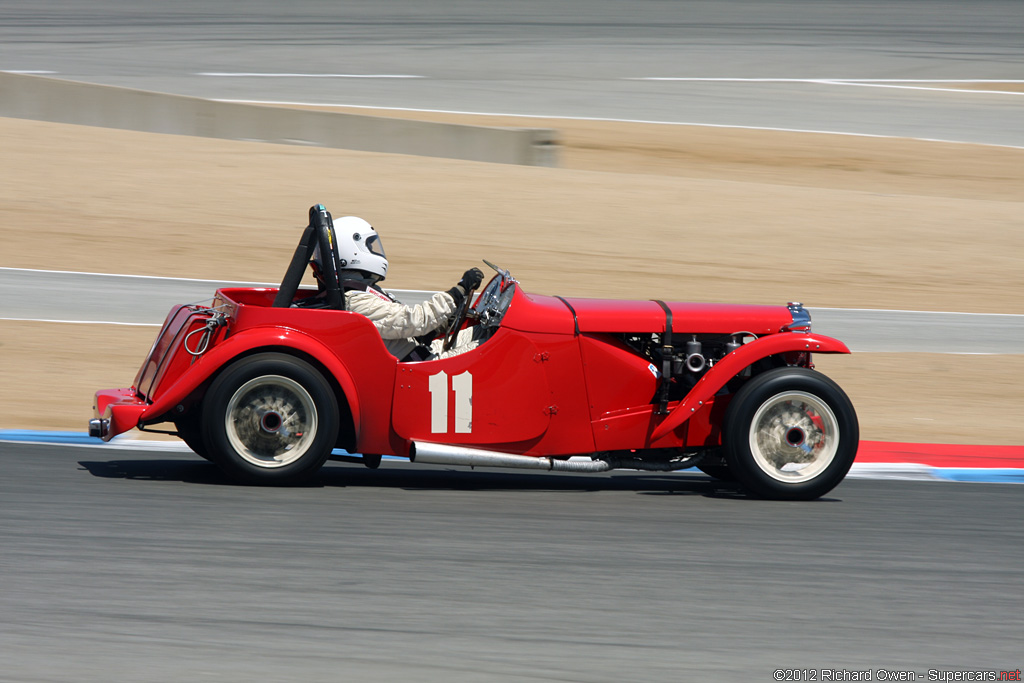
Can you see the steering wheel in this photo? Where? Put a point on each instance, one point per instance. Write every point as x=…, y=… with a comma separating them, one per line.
x=457, y=320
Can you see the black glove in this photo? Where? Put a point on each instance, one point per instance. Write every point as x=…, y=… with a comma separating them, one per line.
x=471, y=279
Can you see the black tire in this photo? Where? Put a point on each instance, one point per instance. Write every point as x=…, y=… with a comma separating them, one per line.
x=190, y=432
x=713, y=464
x=270, y=419
x=790, y=434
x=717, y=471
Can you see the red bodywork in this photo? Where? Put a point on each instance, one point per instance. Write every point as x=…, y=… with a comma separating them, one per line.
x=556, y=378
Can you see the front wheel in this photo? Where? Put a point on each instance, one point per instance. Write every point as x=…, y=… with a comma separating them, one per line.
x=270, y=419
x=719, y=472
x=713, y=464
x=790, y=434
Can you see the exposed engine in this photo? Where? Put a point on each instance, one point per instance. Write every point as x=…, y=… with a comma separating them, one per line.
x=683, y=359
x=688, y=358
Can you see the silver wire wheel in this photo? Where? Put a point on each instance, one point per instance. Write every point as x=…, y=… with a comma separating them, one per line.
x=790, y=433
x=271, y=421
x=794, y=436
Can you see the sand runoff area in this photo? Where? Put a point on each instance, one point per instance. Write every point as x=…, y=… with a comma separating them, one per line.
x=635, y=211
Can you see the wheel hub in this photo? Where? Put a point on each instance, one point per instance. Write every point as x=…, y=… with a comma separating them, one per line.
x=794, y=436
x=271, y=421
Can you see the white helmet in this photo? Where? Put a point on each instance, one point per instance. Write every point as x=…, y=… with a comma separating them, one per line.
x=359, y=247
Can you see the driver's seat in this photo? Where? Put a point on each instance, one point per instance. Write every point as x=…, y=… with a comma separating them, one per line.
x=318, y=234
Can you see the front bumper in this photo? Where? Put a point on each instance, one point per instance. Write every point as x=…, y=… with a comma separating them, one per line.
x=98, y=427
x=117, y=411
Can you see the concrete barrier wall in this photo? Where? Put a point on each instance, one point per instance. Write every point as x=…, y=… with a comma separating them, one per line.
x=60, y=101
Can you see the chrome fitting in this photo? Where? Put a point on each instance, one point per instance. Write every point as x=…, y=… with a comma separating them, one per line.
x=801, y=317
x=99, y=427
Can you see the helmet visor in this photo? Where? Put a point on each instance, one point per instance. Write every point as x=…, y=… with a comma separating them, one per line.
x=374, y=245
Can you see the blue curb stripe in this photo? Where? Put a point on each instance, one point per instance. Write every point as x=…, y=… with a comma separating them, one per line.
x=29, y=436
x=980, y=475
x=83, y=439
x=340, y=451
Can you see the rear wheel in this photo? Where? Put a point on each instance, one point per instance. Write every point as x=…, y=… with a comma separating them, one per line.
x=190, y=432
x=790, y=434
x=270, y=419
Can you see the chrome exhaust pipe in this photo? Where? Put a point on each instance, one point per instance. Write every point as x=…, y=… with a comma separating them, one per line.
x=444, y=454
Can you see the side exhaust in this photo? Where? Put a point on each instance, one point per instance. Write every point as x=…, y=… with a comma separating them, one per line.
x=659, y=460
x=442, y=454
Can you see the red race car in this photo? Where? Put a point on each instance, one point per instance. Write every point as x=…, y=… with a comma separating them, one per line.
x=267, y=388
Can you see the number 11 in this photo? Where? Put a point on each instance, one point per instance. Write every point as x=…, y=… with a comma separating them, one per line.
x=462, y=385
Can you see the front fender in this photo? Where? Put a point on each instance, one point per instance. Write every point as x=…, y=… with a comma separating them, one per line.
x=241, y=343
x=727, y=368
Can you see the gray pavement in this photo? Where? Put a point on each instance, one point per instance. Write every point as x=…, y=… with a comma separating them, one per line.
x=922, y=331
x=126, y=566
x=87, y=297
x=555, y=57
x=83, y=297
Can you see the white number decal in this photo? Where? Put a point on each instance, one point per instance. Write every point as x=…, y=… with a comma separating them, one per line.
x=438, y=386
x=462, y=385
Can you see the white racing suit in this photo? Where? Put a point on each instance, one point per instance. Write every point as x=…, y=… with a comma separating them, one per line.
x=398, y=323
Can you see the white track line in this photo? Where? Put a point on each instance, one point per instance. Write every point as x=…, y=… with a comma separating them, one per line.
x=900, y=310
x=918, y=87
x=418, y=291
x=896, y=83
x=921, y=87
x=828, y=80
x=832, y=81
x=80, y=322
x=335, y=105
x=165, y=278
x=148, y=277
x=227, y=74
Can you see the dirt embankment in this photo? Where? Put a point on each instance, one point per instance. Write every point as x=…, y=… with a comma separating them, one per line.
x=637, y=211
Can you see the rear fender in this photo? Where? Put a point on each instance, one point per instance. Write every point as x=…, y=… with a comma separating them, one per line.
x=241, y=343
x=727, y=368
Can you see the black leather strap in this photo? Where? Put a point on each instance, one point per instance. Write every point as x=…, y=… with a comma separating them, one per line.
x=667, y=339
x=575, y=320
x=667, y=351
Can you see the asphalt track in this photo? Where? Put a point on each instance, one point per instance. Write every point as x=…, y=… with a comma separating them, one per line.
x=141, y=300
x=797, y=64
x=131, y=566
x=149, y=566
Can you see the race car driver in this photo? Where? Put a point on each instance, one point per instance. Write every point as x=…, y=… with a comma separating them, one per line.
x=362, y=264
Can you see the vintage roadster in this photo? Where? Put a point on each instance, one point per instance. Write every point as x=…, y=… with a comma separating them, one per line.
x=269, y=389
